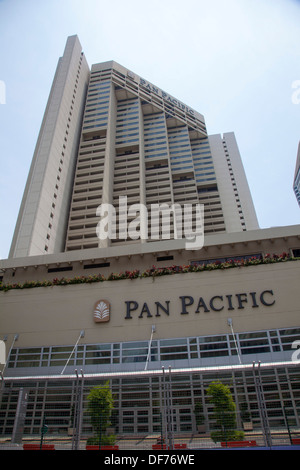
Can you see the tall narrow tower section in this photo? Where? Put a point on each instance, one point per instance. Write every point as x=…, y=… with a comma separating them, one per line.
x=42, y=221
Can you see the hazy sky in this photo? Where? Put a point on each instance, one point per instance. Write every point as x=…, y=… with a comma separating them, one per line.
x=234, y=61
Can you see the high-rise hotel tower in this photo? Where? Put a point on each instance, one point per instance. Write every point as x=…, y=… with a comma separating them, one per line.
x=108, y=133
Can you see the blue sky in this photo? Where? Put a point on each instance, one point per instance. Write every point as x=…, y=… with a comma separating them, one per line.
x=234, y=61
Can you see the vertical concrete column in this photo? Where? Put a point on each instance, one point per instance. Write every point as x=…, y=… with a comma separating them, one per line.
x=144, y=214
x=109, y=159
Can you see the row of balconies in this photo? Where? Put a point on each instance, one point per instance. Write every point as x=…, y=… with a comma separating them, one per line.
x=212, y=207
x=157, y=167
x=87, y=187
x=130, y=175
x=209, y=197
x=130, y=159
x=158, y=178
x=77, y=200
x=92, y=175
x=87, y=163
x=127, y=178
x=82, y=218
x=129, y=191
x=80, y=209
x=184, y=186
x=87, y=233
x=91, y=156
x=158, y=190
x=92, y=141
x=159, y=198
x=82, y=234
x=126, y=163
x=85, y=221
x=73, y=245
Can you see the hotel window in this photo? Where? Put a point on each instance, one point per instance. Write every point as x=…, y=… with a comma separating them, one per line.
x=138, y=351
x=213, y=346
x=176, y=349
x=173, y=349
x=288, y=336
x=254, y=343
x=98, y=354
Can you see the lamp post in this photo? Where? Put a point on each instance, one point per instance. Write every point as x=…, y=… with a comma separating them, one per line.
x=287, y=424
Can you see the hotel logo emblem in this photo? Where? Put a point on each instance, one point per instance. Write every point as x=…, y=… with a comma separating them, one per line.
x=102, y=311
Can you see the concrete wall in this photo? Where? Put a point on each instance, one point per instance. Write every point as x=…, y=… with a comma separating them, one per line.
x=56, y=315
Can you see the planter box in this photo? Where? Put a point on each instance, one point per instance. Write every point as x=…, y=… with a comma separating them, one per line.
x=38, y=447
x=238, y=444
x=102, y=447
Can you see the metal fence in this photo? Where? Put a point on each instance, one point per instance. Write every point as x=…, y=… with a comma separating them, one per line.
x=259, y=405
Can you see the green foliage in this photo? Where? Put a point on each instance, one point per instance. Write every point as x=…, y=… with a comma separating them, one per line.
x=106, y=440
x=100, y=405
x=224, y=413
x=199, y=413
x=153, y=272
x=245, y=414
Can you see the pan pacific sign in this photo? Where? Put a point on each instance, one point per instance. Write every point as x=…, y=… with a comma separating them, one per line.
x=148, y=86
x=187, y=304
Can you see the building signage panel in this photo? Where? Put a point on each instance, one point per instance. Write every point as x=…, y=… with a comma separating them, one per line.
x=166, y=97
x=102, y=311
x=187, y=304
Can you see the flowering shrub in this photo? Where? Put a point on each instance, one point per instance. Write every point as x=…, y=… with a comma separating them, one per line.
x=153, y=272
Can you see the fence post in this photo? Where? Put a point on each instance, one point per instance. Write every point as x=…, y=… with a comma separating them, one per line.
x=171, y=438
x=168, y=410
x=78, y=410
x=262, y=406
x=44, y=430
x=19, y=422
x=287, y=424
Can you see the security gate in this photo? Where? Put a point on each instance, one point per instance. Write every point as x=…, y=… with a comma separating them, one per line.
x=151, y=404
